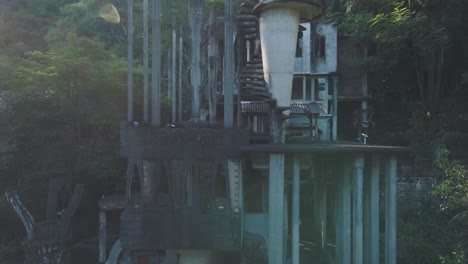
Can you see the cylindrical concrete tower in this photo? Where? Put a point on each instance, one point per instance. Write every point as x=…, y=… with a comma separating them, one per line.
x=279, y=21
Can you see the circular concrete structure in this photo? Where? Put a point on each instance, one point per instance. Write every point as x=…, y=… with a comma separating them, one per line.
x=279, y=21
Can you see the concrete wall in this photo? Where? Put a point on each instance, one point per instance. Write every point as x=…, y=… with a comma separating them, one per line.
x=414, y=185
x=308, y=63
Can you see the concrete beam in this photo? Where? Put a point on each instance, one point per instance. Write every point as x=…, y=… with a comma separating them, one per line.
x=276, y=209
x=390, y=210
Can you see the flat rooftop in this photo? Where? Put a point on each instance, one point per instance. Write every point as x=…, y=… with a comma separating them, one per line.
x=323, y=147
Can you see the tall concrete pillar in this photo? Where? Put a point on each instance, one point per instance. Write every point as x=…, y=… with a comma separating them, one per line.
x=156, y=64
x=145, y=62
x=358, y=189
x=323, y=215
x=371, y=212
x=276, y=209
x=295, y=210
x=346, y=221
x=390, y=210
x=102, y=236
x=339, y=216
x=130, y=62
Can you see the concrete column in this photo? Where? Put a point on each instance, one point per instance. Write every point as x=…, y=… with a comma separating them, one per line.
x=346, y=221
x=181, y=51
x=323, y=215
x=335, y=108
x=339, y=217
x=130, y=62
x=371, y=213
x=390, y=210
x=145, y=62
x=102, y=236
x=316, y=203
x=358, y=189
x=173, y=72
x=156, y=65
x=295, y=210
x=276, y=208
x=228, y=71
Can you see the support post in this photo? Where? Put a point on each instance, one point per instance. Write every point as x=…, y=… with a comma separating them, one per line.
x=358, y=188
x=156, y=65
x=181, y=50
x=323, y=215
x=339, y=217
x=276, y=208
x=390, y=210
x=335, y=108
x=173, y=72
x=130, y=62
x=228, y=70
x=316, y=207
x=295, y=210
x=346, y=203
x=102, y=236
x=196, y=8
x=145, y=62
x=371, y=213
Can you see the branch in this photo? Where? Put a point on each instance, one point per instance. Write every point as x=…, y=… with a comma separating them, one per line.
x=22, y=212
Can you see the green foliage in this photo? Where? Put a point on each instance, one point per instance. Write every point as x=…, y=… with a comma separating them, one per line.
x=457, y=256
x=423, y=236
x=453, y=190
x=413, y=46
x=453, y=193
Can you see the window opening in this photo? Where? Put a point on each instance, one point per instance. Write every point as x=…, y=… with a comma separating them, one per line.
x=320, y=89
x=297, y=89
x=299, y=44
x=308, y=89
x=319, y=46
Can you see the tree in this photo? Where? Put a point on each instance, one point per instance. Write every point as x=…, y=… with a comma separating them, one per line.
x=416, y=37
x=453, y=192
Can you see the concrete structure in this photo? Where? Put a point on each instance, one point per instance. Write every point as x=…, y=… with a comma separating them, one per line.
x=250, y=192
